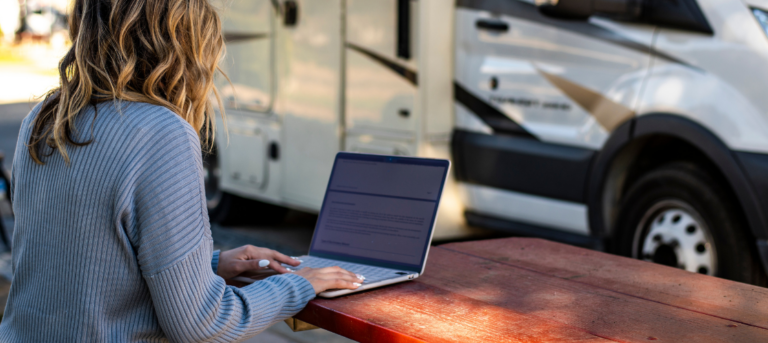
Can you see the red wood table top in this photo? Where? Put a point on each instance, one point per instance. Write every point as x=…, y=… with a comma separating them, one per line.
x=532, y=290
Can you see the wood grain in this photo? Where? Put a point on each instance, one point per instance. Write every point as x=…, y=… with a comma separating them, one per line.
x=528, y=290
x=415, y=312
x=613, y=315
x=741, y=303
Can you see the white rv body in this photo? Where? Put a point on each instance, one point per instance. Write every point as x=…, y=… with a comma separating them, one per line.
x=320, y=94
x=545, y=118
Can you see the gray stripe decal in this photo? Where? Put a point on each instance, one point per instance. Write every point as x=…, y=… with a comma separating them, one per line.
x=530, y=12
x=608, y=113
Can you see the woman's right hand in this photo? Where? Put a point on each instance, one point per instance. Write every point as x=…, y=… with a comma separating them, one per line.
x=323, y=279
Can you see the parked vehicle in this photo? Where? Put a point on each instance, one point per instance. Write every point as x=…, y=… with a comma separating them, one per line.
x=9, y=19
x=42, y=19
x=637, y=127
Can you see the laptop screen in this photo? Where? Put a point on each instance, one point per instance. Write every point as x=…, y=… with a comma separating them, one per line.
x=379, y=210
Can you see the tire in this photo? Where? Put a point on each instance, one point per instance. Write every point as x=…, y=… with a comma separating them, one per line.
x=229, y=209
x=680, y=216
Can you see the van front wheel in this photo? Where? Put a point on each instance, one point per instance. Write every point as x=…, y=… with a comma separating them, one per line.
x=677, y=215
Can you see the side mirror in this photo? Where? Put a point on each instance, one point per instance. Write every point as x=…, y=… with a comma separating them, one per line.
x=583, y=9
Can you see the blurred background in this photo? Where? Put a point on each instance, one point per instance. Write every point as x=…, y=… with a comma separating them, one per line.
x=563, y=119
x=33, y=39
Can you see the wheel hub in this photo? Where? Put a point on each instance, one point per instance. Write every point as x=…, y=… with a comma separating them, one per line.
x=667, y=255
x=677, y=237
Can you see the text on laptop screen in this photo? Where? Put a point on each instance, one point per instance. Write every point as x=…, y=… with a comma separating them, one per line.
x=379, y=209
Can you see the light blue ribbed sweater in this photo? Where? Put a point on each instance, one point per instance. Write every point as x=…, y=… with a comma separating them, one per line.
x=116, y=247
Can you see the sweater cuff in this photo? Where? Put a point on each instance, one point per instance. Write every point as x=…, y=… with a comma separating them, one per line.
x=303, y=285
x=298, y=289
x=276, y=298
x=215, y=261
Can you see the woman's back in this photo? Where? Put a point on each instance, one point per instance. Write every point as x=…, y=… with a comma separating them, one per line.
x=104, y=233
x=111, y=240
x=70, y=237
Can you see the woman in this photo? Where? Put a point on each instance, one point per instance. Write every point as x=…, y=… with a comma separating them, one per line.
x=112, y=241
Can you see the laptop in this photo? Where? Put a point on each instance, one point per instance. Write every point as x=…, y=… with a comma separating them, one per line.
x=377, y=218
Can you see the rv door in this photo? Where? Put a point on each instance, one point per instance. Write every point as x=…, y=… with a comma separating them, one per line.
x=381, y=81
x=309, y=59
x=248, y=30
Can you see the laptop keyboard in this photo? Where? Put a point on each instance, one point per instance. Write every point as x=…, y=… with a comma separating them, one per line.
x=372, y=274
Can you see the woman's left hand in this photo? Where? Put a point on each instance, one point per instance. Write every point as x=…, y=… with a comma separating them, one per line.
x=244, y=261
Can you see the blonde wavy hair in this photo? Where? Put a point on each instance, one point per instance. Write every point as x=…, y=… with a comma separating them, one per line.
x=163, y=52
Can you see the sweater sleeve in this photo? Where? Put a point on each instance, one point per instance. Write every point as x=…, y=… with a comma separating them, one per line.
x=21, y=146
x=215, y=261
x=194, y=305
x=171, y=235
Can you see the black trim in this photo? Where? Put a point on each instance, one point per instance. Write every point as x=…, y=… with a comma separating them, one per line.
x=404, y=29
x=528, y=11
x=408, y=74
x=717, y=151
x=734, y=166
x=518, y=228
x=755, y=167
x=276, y=6
x=521, y=165
x=234, y=37
x=620, y=137
x=497, y=120
x=679, y=14
x=762, y=251
x=492, y=25
x=274, y=151
x=290, y=13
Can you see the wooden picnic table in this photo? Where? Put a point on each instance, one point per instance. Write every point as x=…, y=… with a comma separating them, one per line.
x=533, y=290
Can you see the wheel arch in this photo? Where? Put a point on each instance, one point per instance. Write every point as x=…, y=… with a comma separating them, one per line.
x=618, y=159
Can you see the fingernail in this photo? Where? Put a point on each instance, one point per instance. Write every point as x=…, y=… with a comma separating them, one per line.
x=263, y=263
x=296, y=258
x=360, y=276
x=357, y=284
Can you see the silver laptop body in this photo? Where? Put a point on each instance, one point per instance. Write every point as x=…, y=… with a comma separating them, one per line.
x=377, y=218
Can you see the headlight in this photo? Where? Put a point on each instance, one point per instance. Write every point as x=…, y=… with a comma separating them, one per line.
x=762, y=18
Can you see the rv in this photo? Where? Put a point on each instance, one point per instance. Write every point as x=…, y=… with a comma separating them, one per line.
x=638, y=127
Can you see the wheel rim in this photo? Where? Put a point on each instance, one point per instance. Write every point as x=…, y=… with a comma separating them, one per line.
x=674, y=234
x=211, y=175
